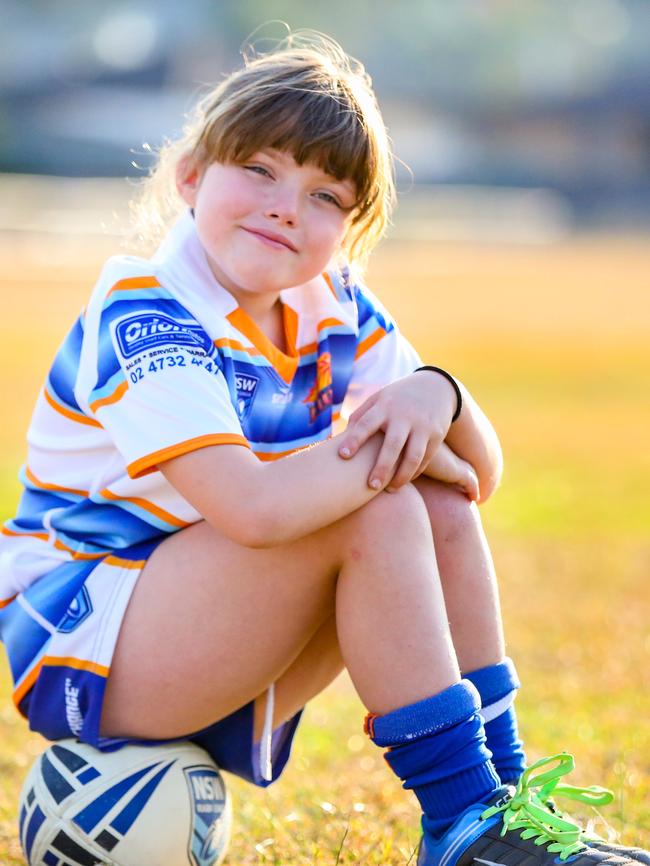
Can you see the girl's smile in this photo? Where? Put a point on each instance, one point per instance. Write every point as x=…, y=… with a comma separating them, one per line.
x=267, y=224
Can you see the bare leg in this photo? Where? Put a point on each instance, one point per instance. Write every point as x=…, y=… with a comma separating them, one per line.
x=467, y=574
x=212, y=624
x=470, y=588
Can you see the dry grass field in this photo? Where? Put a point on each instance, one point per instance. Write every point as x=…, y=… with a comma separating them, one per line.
x=553, y=340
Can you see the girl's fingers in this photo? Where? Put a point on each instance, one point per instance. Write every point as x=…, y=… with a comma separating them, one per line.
x=470, y=486
x=412, y=459
x=389, y=453
x=428, y=456
x=360, y=431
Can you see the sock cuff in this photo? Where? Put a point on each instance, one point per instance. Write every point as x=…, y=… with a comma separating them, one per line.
x=495, y=682
x=429, y=716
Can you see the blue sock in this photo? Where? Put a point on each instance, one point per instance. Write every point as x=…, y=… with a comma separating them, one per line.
x=437, y=747
x=497, y=685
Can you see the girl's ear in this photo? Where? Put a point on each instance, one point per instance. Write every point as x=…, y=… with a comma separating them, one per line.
x=187, y=179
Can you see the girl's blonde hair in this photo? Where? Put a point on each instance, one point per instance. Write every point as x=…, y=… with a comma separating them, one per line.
x=307, y=98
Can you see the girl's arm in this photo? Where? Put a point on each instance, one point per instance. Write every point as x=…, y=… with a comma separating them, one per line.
x=473, y=438
x=265, y=504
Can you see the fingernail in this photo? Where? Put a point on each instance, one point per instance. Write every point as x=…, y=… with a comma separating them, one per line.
x=375, y=483
x=344, y=452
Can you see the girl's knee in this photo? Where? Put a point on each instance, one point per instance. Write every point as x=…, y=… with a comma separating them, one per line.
x=449, y=510
x=390, y=516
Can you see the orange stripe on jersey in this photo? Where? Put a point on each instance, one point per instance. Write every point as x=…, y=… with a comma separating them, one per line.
x=59, y=545
x=56, y=487
x=56, y=661
x=69, y=413
x=147, y=506
x=125, y=563
x=130, y=283
x=112, y=398
x=5, y=601
x=284, y=364
x=13, y=534
x=329, y=282
x=224, y=342
x=313, y=347
x=369, y=342
x=150, y=462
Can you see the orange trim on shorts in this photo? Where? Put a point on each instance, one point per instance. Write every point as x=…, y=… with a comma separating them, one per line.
x=149, y=463
x=112, y=398
x=146, y=506
x=125, y=563
x=56, y=661
x=369, y=342
x=130, y=283
x=5, y=601
x=69, y=413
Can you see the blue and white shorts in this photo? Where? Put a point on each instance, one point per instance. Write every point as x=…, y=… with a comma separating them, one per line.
x=60, y=635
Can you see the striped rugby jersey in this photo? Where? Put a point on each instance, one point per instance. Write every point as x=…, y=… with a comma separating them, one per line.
x=162, y=362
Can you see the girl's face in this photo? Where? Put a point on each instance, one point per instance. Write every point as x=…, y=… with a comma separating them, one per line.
x=267, y=224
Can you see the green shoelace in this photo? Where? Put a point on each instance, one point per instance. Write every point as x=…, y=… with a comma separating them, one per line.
x=528, y=809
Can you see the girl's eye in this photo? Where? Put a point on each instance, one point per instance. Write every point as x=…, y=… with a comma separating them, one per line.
x=259, y=169
x=326, y=196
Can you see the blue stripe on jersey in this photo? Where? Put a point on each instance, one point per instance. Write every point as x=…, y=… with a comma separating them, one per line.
x=38, y=498
x=144, y=516
x=109, y=386
x=63, y=373
x=103, y=527
x=129, y=295
x=369, y=306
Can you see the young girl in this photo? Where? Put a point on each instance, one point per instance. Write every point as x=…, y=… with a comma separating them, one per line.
x=184, y=564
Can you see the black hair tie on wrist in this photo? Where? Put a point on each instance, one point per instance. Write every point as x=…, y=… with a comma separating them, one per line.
x=454, y=384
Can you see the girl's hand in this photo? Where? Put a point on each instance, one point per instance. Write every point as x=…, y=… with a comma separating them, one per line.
x=450, y=468
x=414, y=414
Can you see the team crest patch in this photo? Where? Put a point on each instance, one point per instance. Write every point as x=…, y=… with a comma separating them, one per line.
x=149, y=330
x=209, y=834
x=78, y=610
x=321, y=395
x=246, y=386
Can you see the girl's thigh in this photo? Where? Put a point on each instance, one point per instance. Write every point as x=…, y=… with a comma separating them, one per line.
x=211, y=625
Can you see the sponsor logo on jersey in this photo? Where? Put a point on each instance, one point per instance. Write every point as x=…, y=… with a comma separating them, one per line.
x=321, y=395
x=150, y=330
x=209, y=834
x=246, y=386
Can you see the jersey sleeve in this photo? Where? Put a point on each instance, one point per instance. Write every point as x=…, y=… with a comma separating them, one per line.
x=152, y=377
x=383, y=353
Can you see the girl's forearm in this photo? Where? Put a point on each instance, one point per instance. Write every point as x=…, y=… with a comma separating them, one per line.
x=313, y=488
x=473, y=438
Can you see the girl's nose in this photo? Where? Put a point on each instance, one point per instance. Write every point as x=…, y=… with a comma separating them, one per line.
x=283, y=207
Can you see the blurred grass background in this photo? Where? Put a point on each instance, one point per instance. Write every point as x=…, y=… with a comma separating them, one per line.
x=552, y=338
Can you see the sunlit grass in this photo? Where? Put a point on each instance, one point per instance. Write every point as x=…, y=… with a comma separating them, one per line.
x=554, y=345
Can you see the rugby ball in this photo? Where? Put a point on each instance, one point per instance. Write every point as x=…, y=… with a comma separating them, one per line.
x=157, y=805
